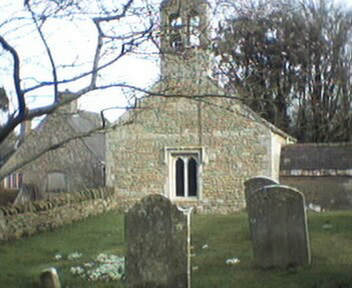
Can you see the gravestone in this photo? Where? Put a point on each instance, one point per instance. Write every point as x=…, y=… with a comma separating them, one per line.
x=255, y=183
x=279, y=227
x=49, y=279
x=158, y=244
x=250, y=186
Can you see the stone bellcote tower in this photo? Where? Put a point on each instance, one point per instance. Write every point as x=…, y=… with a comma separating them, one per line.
x=185, y=29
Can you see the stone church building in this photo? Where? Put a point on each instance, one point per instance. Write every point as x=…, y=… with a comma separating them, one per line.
x=77, y=165
x=190, y=141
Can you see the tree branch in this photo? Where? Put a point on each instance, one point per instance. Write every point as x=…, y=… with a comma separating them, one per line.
x=48, y=51
x=13, y=122
x=123, y=51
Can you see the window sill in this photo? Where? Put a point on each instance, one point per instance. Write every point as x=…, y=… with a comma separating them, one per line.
x=185, y=199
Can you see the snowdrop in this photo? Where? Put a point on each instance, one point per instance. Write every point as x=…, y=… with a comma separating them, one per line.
x=74, y=255
x=58, y=257
x=88, y=265
x=108, y=267
x=232, y=261
x=77, y=270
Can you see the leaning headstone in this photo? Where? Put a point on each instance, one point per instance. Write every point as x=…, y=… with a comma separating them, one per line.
x=250, y=186
x=279, y=227
x=157, y=235
x=254, y=184
x=49, y=279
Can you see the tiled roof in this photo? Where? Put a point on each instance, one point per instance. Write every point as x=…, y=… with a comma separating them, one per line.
x=337, y=156
x=85, y=121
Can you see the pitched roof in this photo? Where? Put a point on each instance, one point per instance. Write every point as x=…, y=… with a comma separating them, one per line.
x=36, y=142
x=85, y=121
x=313, y=156
x=8, y=147
x=81, y=122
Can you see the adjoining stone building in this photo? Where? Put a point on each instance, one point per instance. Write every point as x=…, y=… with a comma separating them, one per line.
x=78, y=164
x=322, y=171
x=14, y=180
x=194, y=143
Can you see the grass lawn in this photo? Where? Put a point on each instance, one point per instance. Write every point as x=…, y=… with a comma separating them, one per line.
x=226, y=237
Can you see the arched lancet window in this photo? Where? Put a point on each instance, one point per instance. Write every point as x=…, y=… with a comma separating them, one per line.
x=180, y=178
x=185, y=165
x=192, y=177
x=194, y=30
x=186, y=176
x=176, y=41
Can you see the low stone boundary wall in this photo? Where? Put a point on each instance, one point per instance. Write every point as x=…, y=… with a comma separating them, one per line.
x=27, y=219
x=329, y=193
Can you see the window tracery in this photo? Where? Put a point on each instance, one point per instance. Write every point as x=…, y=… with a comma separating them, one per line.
x=185, y=172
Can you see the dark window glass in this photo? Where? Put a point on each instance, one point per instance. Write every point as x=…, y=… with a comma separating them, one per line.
x=192, y=177
x=180, y=178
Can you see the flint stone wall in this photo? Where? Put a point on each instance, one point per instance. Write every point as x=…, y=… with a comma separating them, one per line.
x=279, y=227
x=156, y=233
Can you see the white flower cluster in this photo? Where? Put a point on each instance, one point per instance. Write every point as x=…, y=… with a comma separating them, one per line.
x=111, y=267
x=105, y=267
x=232, y=261
x=58, y=257
x=77, y=270
x=74, y=255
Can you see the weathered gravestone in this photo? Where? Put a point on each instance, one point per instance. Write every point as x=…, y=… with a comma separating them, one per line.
x=255, y=183
x=157, y=235
x=49, y=279
x=279, y=227
x=250, y=186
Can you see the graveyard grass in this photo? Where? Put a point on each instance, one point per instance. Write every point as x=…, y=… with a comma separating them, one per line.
x=214, y=238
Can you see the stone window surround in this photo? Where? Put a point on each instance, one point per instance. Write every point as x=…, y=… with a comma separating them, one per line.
x=170, y=155
x=184, y=35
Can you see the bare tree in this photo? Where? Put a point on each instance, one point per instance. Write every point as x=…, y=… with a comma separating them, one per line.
x=113, y=30
x=291, y=61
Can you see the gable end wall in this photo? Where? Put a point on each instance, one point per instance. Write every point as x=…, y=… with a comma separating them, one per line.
x=236, y=148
